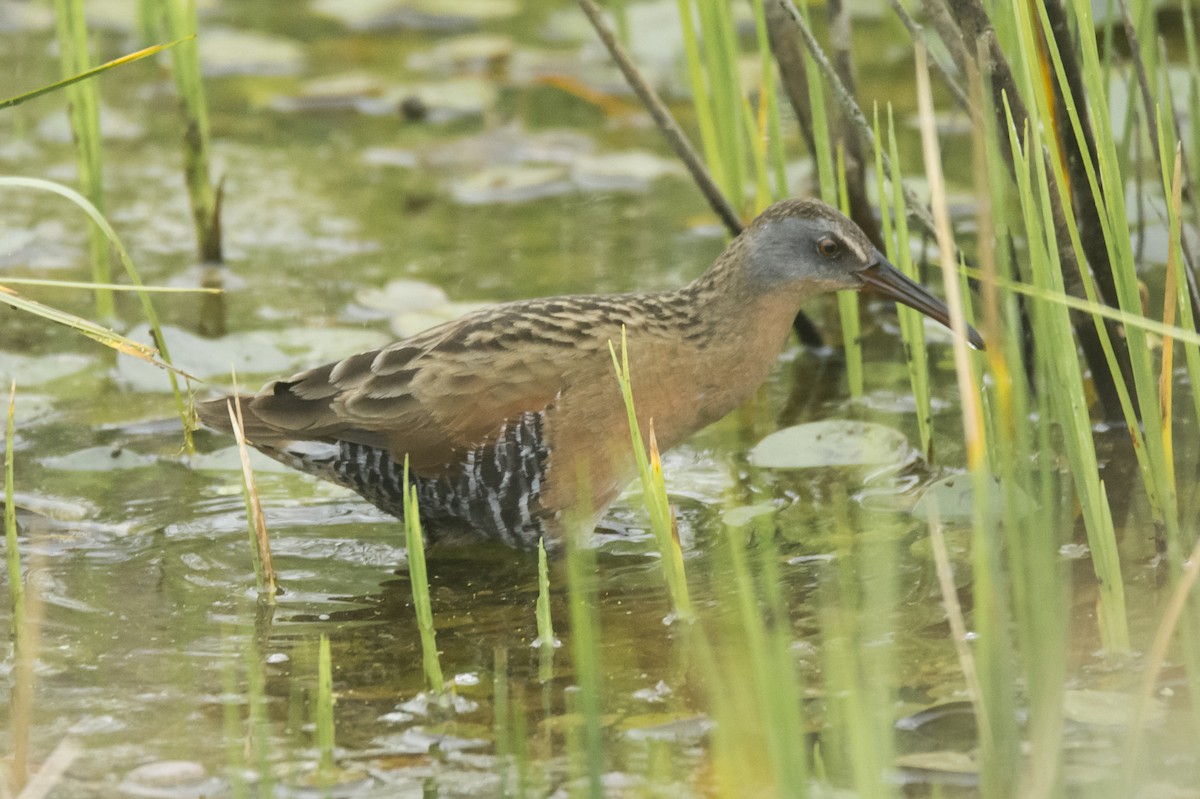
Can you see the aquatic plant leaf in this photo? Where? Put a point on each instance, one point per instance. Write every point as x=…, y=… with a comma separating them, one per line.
x=744, y=515
x=954, y=499
x=832, y=442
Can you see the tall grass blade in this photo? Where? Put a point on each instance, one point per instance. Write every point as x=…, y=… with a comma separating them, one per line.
x=654, y=492
x=545, y=625
x=912, y=324
x=84, y=105
x=323, y=715
x=89, y=73
x=12, y=554
x=260, y=540
x=583, y=602
x=110, y=235
x=848, y=300
x=419, y=577
x=180, y=18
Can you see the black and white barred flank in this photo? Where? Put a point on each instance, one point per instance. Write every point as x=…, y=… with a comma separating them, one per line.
x=494, y=492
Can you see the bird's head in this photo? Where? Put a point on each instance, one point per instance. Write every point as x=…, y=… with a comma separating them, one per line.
x=808, y=247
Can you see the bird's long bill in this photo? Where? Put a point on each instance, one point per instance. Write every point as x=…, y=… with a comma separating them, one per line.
x=887, y=281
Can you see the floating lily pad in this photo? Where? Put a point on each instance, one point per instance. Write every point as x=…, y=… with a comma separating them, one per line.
x=746, y=514
x=120, y=16
x=169, y=778
x=832, y=442
x=231, y=52
x=511, y=184
x=248, y=353
x=28, y=370
x=230, y=460
x=410, y=323
x=954, y=499
x=258, y=352
x=25, y=17
x=430, y=15
x=99, y=459
x=483, y=52
x=1107, y=708
x=402, y=295
x=439, y=102
x=114, y=126
x=633, y=170
x=942, y=761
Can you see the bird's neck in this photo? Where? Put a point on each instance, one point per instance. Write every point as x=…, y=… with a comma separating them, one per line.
x=735, y=337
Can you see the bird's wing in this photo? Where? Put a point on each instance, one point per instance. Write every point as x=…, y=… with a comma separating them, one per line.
x=441, y=393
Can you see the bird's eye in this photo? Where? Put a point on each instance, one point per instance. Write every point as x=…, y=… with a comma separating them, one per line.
x=828, y=247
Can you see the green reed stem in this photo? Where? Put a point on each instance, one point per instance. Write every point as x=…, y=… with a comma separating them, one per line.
x=231, y=723
x=180, y=19
x=323, y=715
x=700, y=98
x=256, y=522
x=258, y=720
x=415, y=542
x=16, y=586
x=848, y=310
x=545, y=625
x=585, y=652
x=84, y=105
x=88, y=73
x=654, y=492
x=103, y=336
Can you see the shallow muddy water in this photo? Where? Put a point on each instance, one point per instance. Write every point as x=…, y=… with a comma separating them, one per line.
x=384, y=171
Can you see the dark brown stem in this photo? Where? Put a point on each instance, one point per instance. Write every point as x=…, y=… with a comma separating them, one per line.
x=854, y=114
x=861, y=210
x=665, y=122
x=785, y=46
x=977, y=27
x=917, y=34
x=1139, y=66
x=808, y=333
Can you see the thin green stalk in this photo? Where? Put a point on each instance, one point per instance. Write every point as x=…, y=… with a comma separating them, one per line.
x=654, y=492
x=415, y=542
x=231, y=723
x=1108, y=188
x=912, y=323
x=848, y=300
x=256, y=522
x=84, y=105
x=770, y=98
x=1040, y=585
x=720, y=54
x=1068, y=404
x=860, y=722
x=16, y=585
x=585, y=652
x=996, y=695
x=323, y=714
x=700, y=98
x=180, y=22
x=501, y=718
x=771, y=706
x=258, y=721
x=99, y=222
x=545, y=625
x=88, y=73
x=22, y=647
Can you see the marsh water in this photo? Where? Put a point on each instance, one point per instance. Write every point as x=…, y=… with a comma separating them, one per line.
x=387, y=166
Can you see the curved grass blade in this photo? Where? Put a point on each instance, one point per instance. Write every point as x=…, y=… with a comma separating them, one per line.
x=98, y=333
x=98, y=219
x=116, y=62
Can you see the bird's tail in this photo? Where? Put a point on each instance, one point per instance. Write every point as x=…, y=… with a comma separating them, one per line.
x=215, y=414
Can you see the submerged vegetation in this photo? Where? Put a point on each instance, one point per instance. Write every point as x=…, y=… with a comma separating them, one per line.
x=1005, y=606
